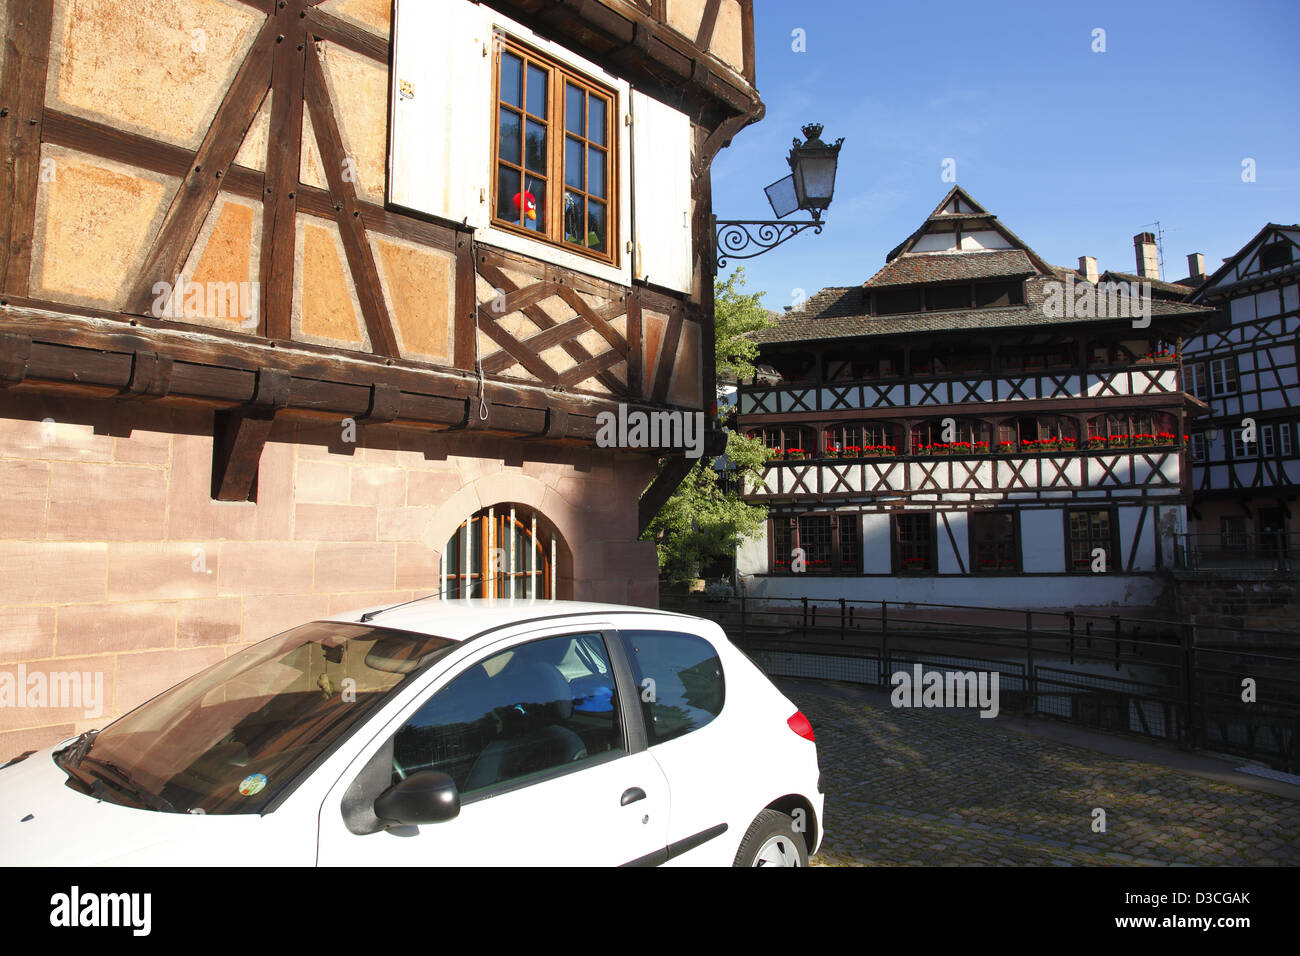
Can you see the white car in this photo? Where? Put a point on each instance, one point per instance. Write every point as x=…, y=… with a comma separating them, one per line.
x=440, y=733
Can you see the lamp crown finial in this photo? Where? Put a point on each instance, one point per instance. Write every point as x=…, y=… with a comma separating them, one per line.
x=812, y=132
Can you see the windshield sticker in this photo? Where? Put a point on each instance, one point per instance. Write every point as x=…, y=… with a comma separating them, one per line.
x=253, y=784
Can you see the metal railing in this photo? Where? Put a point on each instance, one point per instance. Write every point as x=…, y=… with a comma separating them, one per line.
x=1203, y=686
x=1237, y=551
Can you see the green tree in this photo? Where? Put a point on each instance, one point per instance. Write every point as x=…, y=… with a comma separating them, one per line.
x=735, y=315
x=705, y=519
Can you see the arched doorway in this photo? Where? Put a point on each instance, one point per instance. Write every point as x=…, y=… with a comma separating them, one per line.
x=504, y=550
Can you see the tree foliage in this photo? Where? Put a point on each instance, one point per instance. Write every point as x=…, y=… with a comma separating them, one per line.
x=735, y=314
x=705, y=519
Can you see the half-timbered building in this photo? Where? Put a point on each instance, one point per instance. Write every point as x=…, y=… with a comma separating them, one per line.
x=1246, y=453
x=971, y=426
x=314, y=304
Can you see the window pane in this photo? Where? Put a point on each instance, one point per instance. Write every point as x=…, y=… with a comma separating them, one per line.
x=596, y=133
x=508, y=201
x=575, y=120
x=573, y=163
x=512, y=79
x=520, y=713
x=596, y=225
x=596, y=171
x=683, y=676
x=535, y=153
x=535, y=199
x=573, y=215
x=508, y=144
x=537, y=91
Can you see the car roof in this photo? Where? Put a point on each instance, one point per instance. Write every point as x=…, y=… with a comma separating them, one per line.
x=459, y=619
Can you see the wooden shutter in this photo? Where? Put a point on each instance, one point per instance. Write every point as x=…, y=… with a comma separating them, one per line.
x=440, y=151
x=661, y=194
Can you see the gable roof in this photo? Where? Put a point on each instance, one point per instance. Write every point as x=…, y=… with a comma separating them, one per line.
x=969, y=211
x=1211, y=284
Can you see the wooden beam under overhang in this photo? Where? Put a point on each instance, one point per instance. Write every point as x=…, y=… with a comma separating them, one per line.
x=238, y=437
x=161, y=360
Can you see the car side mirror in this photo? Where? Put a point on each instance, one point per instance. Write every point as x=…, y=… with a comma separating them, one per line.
x=425, y=797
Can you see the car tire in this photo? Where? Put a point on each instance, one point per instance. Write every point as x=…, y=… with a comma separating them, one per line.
x=771, y=840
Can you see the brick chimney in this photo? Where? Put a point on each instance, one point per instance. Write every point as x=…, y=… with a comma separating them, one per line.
x=1196, y=265
x=1148, y=258
x=1088, y=268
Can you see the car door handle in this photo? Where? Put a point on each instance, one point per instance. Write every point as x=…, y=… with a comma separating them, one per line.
x=631, y=795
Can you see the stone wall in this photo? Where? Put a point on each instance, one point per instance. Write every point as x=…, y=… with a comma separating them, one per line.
x=115, y=561
x=1240, y=600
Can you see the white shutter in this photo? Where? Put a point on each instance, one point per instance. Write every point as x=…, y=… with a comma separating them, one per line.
x=661, y=194
x=440, y=153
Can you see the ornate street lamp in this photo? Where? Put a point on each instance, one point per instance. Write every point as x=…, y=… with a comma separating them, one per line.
x=810, y=186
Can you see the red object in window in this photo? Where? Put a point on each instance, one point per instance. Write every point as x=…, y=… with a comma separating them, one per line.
x=529, y=203
x=800, y=725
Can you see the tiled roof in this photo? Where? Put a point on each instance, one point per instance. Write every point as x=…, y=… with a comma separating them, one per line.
x=951, y=267
x=1157, y=285
x=813, y=326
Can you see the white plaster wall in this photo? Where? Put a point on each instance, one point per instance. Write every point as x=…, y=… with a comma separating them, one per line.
x=1024, y=591
x=1042, y=541
x=948, y=561
x=876, y=554
x=1145, y=558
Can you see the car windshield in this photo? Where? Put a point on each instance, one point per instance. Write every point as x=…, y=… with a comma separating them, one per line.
x=232, y=737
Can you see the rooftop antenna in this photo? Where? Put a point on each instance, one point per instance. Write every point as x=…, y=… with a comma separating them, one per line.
x=1160, y=247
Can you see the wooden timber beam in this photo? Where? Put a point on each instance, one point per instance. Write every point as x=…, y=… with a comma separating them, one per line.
x=22, y=108
x=238, y=437
x=202, y=182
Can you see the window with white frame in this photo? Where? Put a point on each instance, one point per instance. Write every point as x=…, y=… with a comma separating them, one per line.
x=1223, y=376
x=1284, y=439
x=1198, y=446
x=1240, y=448
x=1266, y=447
x=1194, y=382
x=538, y=149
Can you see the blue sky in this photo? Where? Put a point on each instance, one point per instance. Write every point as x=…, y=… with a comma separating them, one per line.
x=1075, y=151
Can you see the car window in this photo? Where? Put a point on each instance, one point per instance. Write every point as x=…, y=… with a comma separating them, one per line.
x=233, y=737
x=681, y=681
x=517, y=715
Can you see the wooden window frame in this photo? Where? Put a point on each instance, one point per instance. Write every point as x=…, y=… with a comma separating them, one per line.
x=559, y=76
x=1227, y=364
x=835, y=558
x=896, y=547
x=1017, y=560
x=1112, y=546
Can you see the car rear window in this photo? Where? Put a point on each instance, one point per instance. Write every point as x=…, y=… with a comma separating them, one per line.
x=680, y=680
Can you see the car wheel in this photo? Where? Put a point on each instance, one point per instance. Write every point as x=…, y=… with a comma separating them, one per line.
x=772, y=841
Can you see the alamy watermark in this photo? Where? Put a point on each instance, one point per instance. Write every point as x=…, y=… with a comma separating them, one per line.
x=634, y=428
x=58, y=689
x=212, y=300
x=923, y=688
x=1116, y=300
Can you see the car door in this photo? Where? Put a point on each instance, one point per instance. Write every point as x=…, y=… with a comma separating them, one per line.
x=682, y=693
x=542, y=736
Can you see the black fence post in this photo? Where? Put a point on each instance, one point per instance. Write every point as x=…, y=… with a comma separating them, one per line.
x=744, y=634
x=1069, y=616
x=1115, y=618
x=1189, y=680
x=804, y=627
x=843, y=617
x=1031, y=682
x=884, y=643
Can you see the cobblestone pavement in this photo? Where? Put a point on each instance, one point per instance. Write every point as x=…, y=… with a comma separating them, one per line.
x=935, y=788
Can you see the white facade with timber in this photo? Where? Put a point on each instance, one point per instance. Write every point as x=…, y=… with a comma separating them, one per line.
x=1243, y=364
x=309, y=305
x=971, y=426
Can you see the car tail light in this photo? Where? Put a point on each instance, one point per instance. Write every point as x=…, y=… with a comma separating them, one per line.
x=799, y=724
